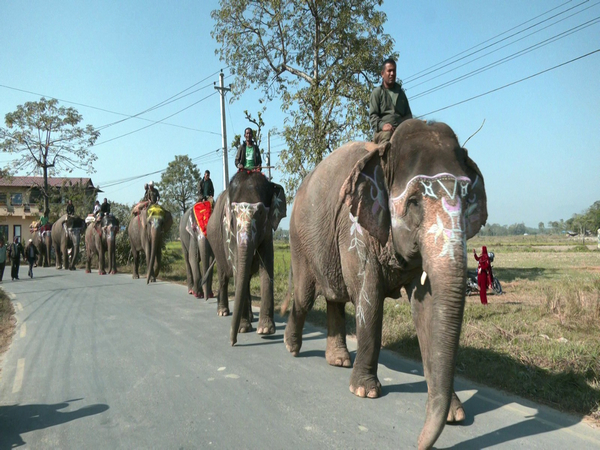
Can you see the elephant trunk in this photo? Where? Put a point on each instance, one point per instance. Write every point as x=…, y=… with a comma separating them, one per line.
x=75, y=235
x=111, y=238
x=206, y=259
x=155, y=249
x=245, y=254
x=441, y=325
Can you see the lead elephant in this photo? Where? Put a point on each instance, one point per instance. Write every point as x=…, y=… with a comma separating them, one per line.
x=66, y=235
x=369, y=220
x=197, y=254
x=100, y=239
x=43, y=242
x=146, y=233
x=240, y=232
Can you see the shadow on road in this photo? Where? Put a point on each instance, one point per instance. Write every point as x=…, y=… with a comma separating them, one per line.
x=16, y=420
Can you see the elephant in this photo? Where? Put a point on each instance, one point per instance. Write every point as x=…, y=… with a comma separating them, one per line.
x=240, y=233
x=196, y=251
x=66, y=235
x=146, y=233
x=100, y=238
x=372, y=219
x=43, y=241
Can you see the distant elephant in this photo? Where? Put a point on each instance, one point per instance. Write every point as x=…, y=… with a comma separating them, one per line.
x=66, y=235
x=371, y=219
x=146, y=233
x=240, y=232
x=43, y=242
x=100, y=238
x=197, y=254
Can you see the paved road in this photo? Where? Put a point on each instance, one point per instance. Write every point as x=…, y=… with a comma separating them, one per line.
x=107, y=362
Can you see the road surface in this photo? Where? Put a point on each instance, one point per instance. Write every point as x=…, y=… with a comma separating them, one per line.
x=107, y=362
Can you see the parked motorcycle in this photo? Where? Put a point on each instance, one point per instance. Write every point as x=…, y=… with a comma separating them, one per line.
x=473, y=287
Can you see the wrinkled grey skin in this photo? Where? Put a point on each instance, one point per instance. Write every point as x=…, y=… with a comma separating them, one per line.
x=369, y=220
x=197, y=255
x=240, y=232
x=66, y=234
x=100, y=239
x=147, y=235
x=44, y=246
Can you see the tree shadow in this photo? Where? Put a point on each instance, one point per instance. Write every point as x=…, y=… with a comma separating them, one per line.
x=508, y=274
x=16, y=420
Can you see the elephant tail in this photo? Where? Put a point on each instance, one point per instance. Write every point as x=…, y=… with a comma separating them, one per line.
x=288, y=295
x=206, y=274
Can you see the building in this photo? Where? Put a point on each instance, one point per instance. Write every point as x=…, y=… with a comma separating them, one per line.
x=20, y=197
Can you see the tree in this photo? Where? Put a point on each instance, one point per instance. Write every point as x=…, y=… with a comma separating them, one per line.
x=320, y=58
x=179, y=184
x=47, y=139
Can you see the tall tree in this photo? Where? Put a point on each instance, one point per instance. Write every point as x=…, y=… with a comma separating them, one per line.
x=320, y=58
x=179, y=184
x=48, y=139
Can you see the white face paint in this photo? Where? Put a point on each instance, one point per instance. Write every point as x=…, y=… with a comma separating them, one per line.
x=245, y=218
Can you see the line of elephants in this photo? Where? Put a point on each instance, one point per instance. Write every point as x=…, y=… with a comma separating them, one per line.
x=368, y=221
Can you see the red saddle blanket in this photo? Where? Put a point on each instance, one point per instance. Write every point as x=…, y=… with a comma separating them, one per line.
x=202, y=212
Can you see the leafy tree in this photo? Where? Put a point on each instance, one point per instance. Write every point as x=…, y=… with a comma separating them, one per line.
x=319, y=58
x=48, y=139
x=179, y=185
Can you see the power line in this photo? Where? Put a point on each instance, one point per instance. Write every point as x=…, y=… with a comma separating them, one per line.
x=510, y=84
x=414, y=77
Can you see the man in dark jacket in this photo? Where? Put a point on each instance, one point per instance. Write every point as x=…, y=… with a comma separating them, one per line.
x=248, y=155
x=105, y=207
x=70, y=208
x=206, y=189
x=388, y=105
x=15, y=253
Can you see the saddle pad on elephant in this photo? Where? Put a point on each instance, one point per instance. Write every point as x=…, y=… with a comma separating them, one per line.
x=156, y=211
x=202, y=212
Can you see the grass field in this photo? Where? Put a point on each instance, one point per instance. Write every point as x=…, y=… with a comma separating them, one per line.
x=539, y=340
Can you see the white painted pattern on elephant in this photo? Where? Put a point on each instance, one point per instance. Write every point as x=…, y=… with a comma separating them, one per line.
x=246, y=230
x=277, y=204
x=192, y=228
x=228, y=235
x=360, y=247
x=451, y=205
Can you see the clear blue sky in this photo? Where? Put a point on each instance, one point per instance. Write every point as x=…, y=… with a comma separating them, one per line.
x=539, y=149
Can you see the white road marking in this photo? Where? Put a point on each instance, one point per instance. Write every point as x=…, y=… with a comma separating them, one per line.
x=19, y=375
x=232, y=375
x=18, y=306
x=23, y=330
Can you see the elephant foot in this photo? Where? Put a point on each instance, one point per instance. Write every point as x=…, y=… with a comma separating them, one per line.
x=88, y=271
x=293, y=342
x=338, y=357
x=113, y=272
x=245, y=327
x=135, y=276
x=365, y=385
x=198, y=295
x=456, y=412
x=190, y=292
x=210, y=295
x=102, y=272
x=223, y=312
x=265, y=326
x=72, y=268
x=58, y=267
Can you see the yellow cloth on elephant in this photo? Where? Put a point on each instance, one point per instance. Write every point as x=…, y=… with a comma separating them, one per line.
x=156, y=211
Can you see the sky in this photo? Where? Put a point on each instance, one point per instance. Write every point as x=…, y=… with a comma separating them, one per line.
x=538, y=149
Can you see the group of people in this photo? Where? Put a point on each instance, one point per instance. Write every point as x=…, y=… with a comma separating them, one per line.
x=13, y=253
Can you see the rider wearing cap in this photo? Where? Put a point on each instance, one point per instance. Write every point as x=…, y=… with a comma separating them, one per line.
x=152, y=194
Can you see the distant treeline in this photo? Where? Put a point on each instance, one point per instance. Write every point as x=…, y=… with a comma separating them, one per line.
x=586, y=223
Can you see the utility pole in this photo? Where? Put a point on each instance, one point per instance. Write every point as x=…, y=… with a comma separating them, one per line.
x=223, y=90
x=269, y=153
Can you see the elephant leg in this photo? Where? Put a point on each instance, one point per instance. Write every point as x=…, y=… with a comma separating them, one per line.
x=421, y=312
x=101, y=260
x=223, y=303
x=88, y=261
x=188, y=270
x=304, y=299
x=337, y=352
x=266, y=323
x=136, y=261
x=195, y=268
x=368, y=302
x=247, y=315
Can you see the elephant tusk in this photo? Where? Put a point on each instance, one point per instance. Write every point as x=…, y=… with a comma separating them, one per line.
x=423, y=278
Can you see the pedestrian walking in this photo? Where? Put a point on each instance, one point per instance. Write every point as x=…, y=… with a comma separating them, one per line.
x=15, y=253
x=484, y=273
x=31, y=253
x=3, y=256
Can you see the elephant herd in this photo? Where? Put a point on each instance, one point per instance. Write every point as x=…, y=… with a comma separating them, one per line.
x=368, y=221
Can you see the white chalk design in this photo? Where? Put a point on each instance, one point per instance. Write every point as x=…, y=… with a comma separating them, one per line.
x=360, y=247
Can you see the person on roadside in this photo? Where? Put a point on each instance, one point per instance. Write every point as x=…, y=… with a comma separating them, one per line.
x=206, y=190
x=31, y=254
x=15, y=253
x=3, y=256
x=484, y=273
x=388, y=104
x=70, y=208
x=248, y=154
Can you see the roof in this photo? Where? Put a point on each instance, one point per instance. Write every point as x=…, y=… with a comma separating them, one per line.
x=39, y=181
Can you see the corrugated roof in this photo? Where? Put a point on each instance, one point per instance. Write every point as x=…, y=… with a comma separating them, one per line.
x=39, y=181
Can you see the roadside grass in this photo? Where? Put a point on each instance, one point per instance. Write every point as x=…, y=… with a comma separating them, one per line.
x=7, y=321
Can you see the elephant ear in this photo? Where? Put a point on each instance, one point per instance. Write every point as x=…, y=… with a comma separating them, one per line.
x=365, y=193
x=476, y=212
x=278, y=208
